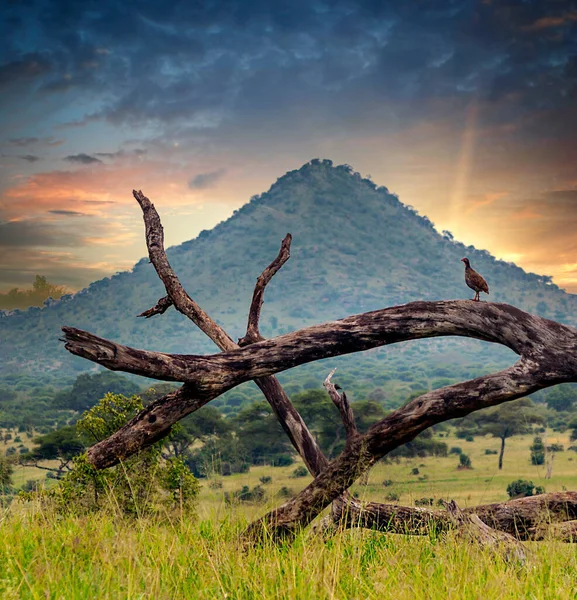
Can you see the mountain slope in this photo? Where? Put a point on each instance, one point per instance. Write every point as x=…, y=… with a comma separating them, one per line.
x=355, y=248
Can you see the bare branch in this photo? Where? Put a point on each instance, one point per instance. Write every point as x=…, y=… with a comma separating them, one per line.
x=252, y=331
x=342, y=403
x=289, y=417
x=158, y=309
x=182, y=301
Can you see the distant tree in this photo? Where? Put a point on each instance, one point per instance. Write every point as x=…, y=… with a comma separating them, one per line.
x=561, y=398
x=62, y=445
x=324, y=421
x=261, y=434
x=200, y=425
x=507, y=420
x=88, y=389
x=6, y=472
x=573, y=427
x=41, y=290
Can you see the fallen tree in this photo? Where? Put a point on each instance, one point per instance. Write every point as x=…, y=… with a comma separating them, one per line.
x=547, y=357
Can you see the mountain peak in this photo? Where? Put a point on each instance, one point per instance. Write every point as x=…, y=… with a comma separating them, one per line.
x=355, y=248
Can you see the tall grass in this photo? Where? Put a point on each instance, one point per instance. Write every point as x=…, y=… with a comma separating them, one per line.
x=104, y=556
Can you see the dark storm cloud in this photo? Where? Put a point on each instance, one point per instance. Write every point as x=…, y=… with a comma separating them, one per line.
x=205, y=180
x=235, y=65
x=82, y=158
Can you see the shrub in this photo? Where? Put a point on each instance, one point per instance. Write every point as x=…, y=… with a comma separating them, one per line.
x=392, y=497
x=415, y=471
x=285, y=492
x=456, y=450
x=464, y=462
x=555, y=448
x=424, y=502
x=215, y=484
x=537, y=452
x=265, y=479
x=245, y=494
x=299, y=472
x=145, y=484
x=489, y=451
x=387, y=482
x=522, y=488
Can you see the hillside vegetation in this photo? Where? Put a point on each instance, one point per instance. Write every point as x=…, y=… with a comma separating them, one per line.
x=356, y=248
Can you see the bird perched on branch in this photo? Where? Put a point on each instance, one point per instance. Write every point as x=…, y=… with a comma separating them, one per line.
x=475, y=281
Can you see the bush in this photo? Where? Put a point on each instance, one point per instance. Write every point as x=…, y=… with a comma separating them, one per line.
x=522, y=488
x=215, y=484
x=414, y=471
x=555, y=448
x=145, y=484
x=299, y=472
x=285, y=492
x=245, y=494
x=392, y=497
x=489, y=451
x=424, y=502
x=464, y=462
x=387, y=482
x=283, y=460
x=456, y=450
x=265, y=479
x=537, y=452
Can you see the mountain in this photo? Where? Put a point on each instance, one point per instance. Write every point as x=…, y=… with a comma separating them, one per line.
x=355, y=248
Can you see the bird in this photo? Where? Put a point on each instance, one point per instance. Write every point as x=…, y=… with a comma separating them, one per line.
x=475, y=281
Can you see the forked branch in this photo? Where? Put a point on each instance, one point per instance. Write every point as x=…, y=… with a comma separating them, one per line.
x=252, y=331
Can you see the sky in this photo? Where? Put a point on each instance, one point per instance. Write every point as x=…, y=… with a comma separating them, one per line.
x=466, y=110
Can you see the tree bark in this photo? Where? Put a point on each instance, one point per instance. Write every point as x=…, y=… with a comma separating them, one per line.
x=501, y=453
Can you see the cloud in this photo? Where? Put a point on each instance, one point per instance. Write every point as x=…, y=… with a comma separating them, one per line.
x=29, y=158
x=29, y=141
x=68, y=213
x=35, y=233
x=82, y=158
x=206, y=180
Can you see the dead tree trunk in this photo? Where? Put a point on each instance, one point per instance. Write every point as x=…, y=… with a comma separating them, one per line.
x=546, y=349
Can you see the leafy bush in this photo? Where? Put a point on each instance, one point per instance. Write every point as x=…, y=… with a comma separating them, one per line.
x=265, y=479
x=522, y=488
x=285, y=492
x=387, y=482
x=464, y=462
x=489, y=451
x=245, y=494
x=537, y=452
x=144, y=484
x=392, y=497
x=299, y=472
x=456, y=450
x=414, y=471
x=424, y=502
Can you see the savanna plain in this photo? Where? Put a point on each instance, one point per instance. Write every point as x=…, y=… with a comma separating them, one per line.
x=106, y=555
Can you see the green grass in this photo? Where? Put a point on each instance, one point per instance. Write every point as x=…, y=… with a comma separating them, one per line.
x=103, y=556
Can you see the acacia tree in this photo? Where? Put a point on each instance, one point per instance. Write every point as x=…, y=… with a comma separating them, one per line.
x=508, y=420
x=547, y=357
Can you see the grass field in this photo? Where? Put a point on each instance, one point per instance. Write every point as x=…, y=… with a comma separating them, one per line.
x=102, y=556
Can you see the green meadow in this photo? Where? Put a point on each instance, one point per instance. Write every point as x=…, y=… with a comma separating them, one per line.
x=108, y=556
